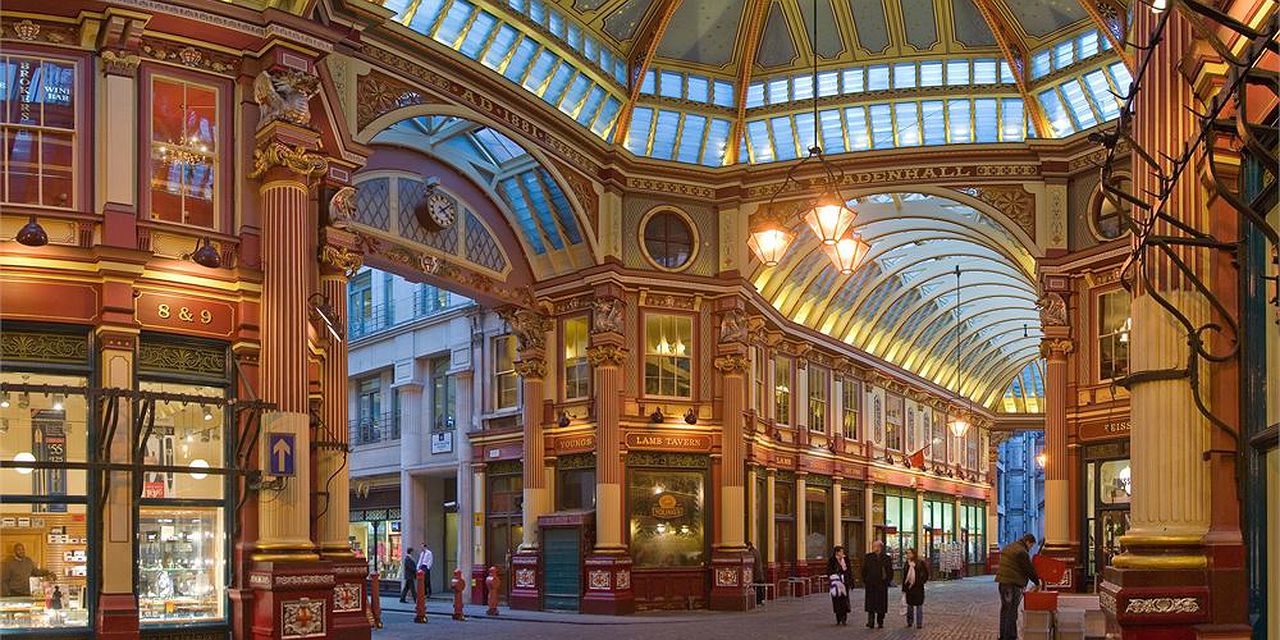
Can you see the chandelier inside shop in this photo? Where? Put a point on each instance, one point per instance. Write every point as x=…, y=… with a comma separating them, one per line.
x=828, y=215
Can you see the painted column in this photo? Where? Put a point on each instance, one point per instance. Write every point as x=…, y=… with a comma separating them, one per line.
x=117, y=609
x=801, y=512
x=868, y=523
x=771, y=544
x=1055, y=348
x=1181, y=574
x=837, y=529
x=919, y=536
x=609, y=564
x=530, y=329
x=731, y=564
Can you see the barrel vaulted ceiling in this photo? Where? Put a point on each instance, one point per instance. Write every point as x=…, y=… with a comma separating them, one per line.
x=717, y=82
x=900, y=305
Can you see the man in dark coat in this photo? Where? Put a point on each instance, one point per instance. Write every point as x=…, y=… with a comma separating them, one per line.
x=1015, y=571
x=410, y=577
x=877, y=576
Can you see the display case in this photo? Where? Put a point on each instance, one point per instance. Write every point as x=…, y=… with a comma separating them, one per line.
x=46, y=587
x=181, y=564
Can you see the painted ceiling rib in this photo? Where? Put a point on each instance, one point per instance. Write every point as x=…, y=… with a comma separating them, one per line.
x=1094, y=9
x=1016, y=54
x=754, y=30
x=1000, y=378
x=947, y=336
x=643, y=48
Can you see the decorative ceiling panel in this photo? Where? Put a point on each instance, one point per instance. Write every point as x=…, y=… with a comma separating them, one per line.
x=920, y=20
x=872, y=25
x=829, y=44
x=703, y=32
x=777, y=47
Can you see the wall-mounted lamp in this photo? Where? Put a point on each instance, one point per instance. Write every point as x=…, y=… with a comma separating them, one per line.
x=657, y=416
x=563, y=420
x=1042, y=459
x=205, y=255
x=32, y=234
x=691, y=416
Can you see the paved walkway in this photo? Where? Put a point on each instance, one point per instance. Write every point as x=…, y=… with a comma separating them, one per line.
x=956, y=610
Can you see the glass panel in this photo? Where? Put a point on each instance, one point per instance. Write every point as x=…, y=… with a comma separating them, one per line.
x=828, y=83
x=185, y=435
x=501, y=46
x=958, y=119
x=906, y=115
x=784, y=141
x=714, y=150
x=856, y=120
x=667, y=519
x=881, y=126
x=878, y=78
x=724, y=94
x=183, y=152
x=819, y=392
x=691, y=138
x=1079, y=104
x=1100, y=91
x=577, y=370
x=853, y=80
x=1113, y=335
x=181, y=570
x=817, y=526
x=778, y=91
x=45, y=549
x=1013, y=123
x=985, y=122
x=957, y=72
x=1041, y=64
x=935, y=123
x=670, y=85
x=1056, y=113
x=984, y=71
x=931, y=74
x=761, y=145
x=755, y=95
x=478, y=34
x=698, y=88
x=782, y=389
x=664, y=134
x=506, y=382
x=802, y=88
x=904, y=75
x=638, y=134
x=832, y=132
x=1115, y=482
x=668, y=355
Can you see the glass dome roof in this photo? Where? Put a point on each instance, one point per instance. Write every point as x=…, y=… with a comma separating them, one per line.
x=718, y=82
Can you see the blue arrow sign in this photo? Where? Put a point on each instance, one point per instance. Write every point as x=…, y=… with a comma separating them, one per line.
x=280, y=450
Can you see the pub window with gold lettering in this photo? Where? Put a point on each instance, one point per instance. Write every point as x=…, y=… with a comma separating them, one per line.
x=668, y=358
x=38, y=123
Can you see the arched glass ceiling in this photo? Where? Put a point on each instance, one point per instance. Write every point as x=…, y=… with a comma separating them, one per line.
x=671, y=80
x=1025, y=393
x=537, y=207
x=900, y=305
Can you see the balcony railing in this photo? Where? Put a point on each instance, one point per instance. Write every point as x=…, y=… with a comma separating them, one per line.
x=427, y=301
x=379, y=317
x=375, y=429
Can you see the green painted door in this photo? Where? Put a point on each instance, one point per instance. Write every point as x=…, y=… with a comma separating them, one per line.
x=563, y=569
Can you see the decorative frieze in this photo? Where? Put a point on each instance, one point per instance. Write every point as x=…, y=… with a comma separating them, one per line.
x=341, y=259
x=27, y=30
x=1014, y=201
x=297, y=159
x=1154, y=606
x=43, y=347
x=669, y=301
x=173, y=358
x=965, y=174
x=191, y=57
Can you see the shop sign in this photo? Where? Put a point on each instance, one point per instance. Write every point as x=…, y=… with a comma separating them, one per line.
x=576, y=444
x=442, y=442
x=668, y=442
x=1104, y=430
x=185, y=313
x=153, y=489
x=280, y=451
x=780, y=460
x=667, y=508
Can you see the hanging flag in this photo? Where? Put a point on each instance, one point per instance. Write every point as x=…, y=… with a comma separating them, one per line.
x=917, y=459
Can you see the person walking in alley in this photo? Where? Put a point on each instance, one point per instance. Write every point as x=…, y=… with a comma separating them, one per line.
x=410, y=572
x=1015, y=571
x=915, y=572
x=877, y=576
x=424, y=563
x=840, y=572
x=757, y=570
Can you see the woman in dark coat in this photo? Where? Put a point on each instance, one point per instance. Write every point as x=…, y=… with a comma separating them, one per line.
x=840, y=572
x=915, y=572
x=877, y=576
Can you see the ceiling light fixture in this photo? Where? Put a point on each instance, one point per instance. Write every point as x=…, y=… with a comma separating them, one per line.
x=208, y=414
x=4, y=400
x=32, y=234
x=828, y=214
x=24, y=456
x=959, y=424
x=58, y=402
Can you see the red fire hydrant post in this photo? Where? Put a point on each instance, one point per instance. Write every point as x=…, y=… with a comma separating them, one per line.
x=457, y=584
x=375, y=601
x=493, y=584
x=421, y=614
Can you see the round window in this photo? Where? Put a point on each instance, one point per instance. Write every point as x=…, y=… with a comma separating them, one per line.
x=668, y=240
x=1109, y=221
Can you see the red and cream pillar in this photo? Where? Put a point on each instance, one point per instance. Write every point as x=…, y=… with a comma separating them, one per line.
x=731, y=564
x=608, y=566
x=530, y=329
x=1055, y=348
x=338, y=262
x=1180, y=574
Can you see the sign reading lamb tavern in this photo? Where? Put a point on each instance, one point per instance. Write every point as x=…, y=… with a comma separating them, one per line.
x=668, y=442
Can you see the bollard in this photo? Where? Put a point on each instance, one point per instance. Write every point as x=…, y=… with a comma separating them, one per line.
x=420, y=616
x=375, y=601
x=457, y=584
x=493, y=584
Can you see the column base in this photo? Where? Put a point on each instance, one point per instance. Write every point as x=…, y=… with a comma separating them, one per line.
x=1176, y=592
x=608, y=584
x=117, y=616
x=294, y=599
x=1069, y=555
x=731, y=581
x=350, y=617
x=525, y=580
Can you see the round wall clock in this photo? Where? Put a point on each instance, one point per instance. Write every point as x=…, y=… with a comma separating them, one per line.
x=437, y=212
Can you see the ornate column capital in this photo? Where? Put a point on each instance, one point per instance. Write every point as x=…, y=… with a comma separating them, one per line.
x=607, y=355
x=531, y=368
x=733, y=364
x=296, y=159
x=337, y=259
x=530, y=328
x=1056, y=348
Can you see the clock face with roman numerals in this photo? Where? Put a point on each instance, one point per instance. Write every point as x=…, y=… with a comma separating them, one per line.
x=437, y=212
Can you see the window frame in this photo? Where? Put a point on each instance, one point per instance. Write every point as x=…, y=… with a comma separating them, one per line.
x=850, y=389
x=779, y=394
x=689, y=354
x=223, y=182
x=568, y=364
x=500, y=374
x=823, y=375
x=81, y=151
x=1099, y=303
x=643, y=237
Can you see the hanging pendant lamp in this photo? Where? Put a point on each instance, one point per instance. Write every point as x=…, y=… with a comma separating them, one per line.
x=959, y=424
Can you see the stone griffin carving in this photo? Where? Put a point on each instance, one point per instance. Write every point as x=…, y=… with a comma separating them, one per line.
x=1053, y=310
x=606, y=315
x=284, y=95
x=342, y=259
x=733, y=326
x=529, y=327
x=342, y=207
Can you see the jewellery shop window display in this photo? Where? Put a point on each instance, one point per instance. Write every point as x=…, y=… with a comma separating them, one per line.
x=182, y=515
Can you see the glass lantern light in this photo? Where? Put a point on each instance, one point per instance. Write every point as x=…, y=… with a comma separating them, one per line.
x=769, y=241
x=829, y=218
x=848, y=252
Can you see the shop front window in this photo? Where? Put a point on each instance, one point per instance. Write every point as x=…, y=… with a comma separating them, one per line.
x=897, y=528
x=577, y=371
x=782, y=390
x=1113, y=335
x=1116, y=482
x=784, y=522
x=37, y=126
x=444, y=395
x=184, y=152
x=850, y=392
x=576, y=487
x=506, y=383
x=819, y=395
x=817, y=519
x=668, y=360
x=503, y=516
x=44, y=534
x=181, y=564
x=667, y=518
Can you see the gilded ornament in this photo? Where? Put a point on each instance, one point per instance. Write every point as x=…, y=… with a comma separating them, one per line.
x=1053, y=310
x=606, y=315
x=342, y=258
x=284, y=95
x=119, y=63
x=1142, y=606
x=26, y=30
x=734, y=363
x=1059, y=347
x=532, y=368
x=296, y=159
x=43, y=347
x=529, y=327
x=342, y=207
x=733, y=326
x=606, y=355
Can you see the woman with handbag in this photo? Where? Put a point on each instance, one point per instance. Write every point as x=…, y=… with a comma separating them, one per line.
x=915, y=572
x=840, y=572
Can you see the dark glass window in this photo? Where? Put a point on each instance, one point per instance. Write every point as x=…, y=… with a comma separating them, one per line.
x=668, y=240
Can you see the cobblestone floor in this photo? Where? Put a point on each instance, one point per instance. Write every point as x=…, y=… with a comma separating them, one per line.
x=955, y=610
